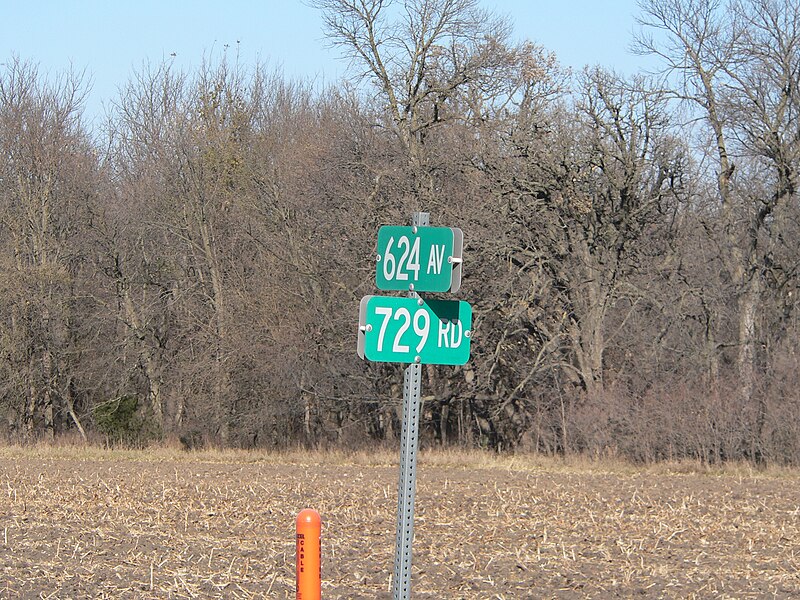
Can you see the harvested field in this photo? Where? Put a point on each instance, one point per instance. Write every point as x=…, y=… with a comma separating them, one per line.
x=78, y=523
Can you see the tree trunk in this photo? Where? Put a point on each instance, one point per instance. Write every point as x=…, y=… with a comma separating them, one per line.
x=149, y=362
x=748, y=313
x=749, y=304
x=221, y=375
x=48, y=394
x=30, y=409
x=70, y=400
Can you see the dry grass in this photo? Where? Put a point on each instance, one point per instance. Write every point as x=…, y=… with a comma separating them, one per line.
x=84, y=522
x=382, y=457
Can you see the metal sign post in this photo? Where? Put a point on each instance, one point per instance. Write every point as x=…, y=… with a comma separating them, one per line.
x=417, y=331
x=409, y=442
x=406, y=489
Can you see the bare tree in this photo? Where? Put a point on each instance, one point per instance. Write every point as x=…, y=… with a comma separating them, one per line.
x=418, y=55
x=45, y=184
x=736, y=64
x=588, y=187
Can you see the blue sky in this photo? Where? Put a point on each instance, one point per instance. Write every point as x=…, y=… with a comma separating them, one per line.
x=111, y=39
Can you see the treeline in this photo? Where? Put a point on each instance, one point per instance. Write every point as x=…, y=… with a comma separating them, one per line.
x=194, y=270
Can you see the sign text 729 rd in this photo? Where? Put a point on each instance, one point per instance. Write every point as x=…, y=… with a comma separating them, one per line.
x=408, y=330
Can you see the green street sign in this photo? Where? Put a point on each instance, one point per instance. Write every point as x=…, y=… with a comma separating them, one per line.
x=420, y=259
x=408, y=330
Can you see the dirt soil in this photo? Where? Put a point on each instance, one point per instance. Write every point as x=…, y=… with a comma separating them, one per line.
x=196, y=526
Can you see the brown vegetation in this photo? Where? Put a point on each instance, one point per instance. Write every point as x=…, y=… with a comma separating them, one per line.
x=80, y=523
x=632, y=244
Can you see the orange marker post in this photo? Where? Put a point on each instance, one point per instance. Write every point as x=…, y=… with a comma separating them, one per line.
x=309, y=555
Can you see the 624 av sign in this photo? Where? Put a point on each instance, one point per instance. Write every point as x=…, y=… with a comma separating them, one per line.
x=408, y=330
x=422, y=259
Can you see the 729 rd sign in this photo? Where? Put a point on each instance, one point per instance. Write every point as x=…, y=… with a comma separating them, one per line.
x=420, y=259
x=409, y=330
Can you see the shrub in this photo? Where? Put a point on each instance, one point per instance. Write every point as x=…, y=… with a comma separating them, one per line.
x=124, y=422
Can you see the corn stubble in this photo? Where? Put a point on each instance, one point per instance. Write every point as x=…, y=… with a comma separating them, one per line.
x=221, y=525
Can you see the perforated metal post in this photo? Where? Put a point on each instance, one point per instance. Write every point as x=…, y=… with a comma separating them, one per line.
x=408, y=482
x=409, y=441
